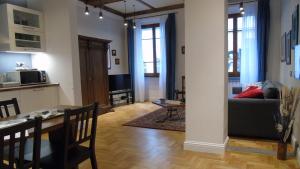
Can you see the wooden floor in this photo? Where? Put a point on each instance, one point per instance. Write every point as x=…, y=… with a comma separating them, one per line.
x=120, y=147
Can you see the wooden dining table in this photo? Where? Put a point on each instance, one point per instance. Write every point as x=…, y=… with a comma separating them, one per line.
x=49, y=124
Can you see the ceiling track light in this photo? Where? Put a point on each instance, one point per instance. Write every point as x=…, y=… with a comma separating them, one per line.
x=134, y=25
x=125, y=20
x=243, y=12
x=86, y=11
x=100, y=12
x=241, y=6
x=125, y=23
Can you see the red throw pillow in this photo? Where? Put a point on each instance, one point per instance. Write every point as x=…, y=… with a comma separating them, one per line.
x=251, y=92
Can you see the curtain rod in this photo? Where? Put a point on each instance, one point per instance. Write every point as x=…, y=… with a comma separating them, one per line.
x=236, y=3
x=152, y=16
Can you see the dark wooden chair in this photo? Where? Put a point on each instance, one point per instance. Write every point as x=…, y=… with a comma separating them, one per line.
x=79, y=131
x=6, y=104
x=13, y=153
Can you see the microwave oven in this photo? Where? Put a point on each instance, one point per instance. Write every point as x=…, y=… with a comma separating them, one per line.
x=27, y=77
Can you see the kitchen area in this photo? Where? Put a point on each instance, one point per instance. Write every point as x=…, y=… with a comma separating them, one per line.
x=22, y=38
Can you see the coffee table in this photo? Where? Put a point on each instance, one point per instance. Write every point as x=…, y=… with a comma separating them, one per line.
x=172, y=109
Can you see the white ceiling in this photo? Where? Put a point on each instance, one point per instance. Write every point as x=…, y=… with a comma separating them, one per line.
x=119, y=6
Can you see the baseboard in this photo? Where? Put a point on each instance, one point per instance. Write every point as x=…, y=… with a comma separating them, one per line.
x=206, y=147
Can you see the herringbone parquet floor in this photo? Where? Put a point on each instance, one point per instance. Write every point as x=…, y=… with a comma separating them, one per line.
x=120, y=147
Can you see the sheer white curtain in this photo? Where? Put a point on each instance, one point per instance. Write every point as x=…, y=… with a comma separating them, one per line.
x=139, y=83
x=249, y=56
x=163, y=56
x=139, y=63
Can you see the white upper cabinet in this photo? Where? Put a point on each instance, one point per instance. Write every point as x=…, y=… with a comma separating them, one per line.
x=21, y=29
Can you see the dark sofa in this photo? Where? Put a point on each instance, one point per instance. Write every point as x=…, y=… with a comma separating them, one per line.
x=253, y=118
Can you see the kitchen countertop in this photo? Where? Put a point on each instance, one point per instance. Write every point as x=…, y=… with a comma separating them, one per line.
x=3, y=89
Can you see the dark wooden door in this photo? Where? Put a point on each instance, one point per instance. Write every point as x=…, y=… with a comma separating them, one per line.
x=94, y=73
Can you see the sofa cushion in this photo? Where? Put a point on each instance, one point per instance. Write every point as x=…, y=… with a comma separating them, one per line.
x=271, y=90
x=251, y=92
x=271, y=93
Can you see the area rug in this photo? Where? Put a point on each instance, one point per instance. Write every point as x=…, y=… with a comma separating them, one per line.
x=152, y=121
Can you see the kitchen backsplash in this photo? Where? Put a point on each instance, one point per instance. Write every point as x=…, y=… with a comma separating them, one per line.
x=8, y=61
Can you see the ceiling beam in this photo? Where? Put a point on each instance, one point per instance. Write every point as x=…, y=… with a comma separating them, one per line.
x=161, y=9
x=113, y=11
x=97, y=3
x=91, y=2
x=146, y=4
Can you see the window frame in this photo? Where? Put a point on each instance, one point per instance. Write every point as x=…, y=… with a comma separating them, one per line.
x=235, y=31
x=153, y=27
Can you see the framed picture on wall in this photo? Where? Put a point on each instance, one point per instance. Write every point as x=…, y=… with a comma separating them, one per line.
x=295, y=27
x=282, y=49
x=117, y=61
x=114, y=52
x=288, y=48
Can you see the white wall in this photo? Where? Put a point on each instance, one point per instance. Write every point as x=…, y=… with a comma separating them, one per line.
x=273, y=58
x=206, y=75
x=287, y=8
x=61, y=60
x=111, y=28
x=180, y=58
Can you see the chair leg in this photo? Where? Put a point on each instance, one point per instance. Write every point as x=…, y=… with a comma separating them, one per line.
x=93, y=161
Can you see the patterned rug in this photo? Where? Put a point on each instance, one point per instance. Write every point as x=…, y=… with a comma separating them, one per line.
x=154, y=120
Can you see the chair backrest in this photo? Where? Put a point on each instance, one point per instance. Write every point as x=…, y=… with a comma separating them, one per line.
x=12, y=144
x=77, y=125
x=5, y=107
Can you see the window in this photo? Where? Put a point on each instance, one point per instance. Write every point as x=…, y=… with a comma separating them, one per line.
x=151, y=49
x=235, y=24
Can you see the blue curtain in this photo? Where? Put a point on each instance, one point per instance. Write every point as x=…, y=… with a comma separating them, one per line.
x=171, y=55
x=263, y=26
x=130, y=42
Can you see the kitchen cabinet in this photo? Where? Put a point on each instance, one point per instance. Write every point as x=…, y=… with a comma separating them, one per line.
x=21, y=29
x=38, y=98
x=33, y=99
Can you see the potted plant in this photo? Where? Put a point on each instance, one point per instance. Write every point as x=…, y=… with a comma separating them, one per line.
x=285, y=118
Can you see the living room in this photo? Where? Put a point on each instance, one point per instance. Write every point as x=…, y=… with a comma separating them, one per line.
x=180, y=63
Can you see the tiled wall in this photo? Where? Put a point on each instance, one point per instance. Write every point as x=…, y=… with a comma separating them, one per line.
x=8, y=61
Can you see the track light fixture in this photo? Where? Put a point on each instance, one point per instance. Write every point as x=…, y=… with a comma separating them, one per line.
x=101, y=14
x=125, y=21
x=241, y=6
x=134, y=25
x=86, y=11
x=243, y=12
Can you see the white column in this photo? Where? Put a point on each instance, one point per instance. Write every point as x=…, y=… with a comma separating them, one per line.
x=206, y=75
